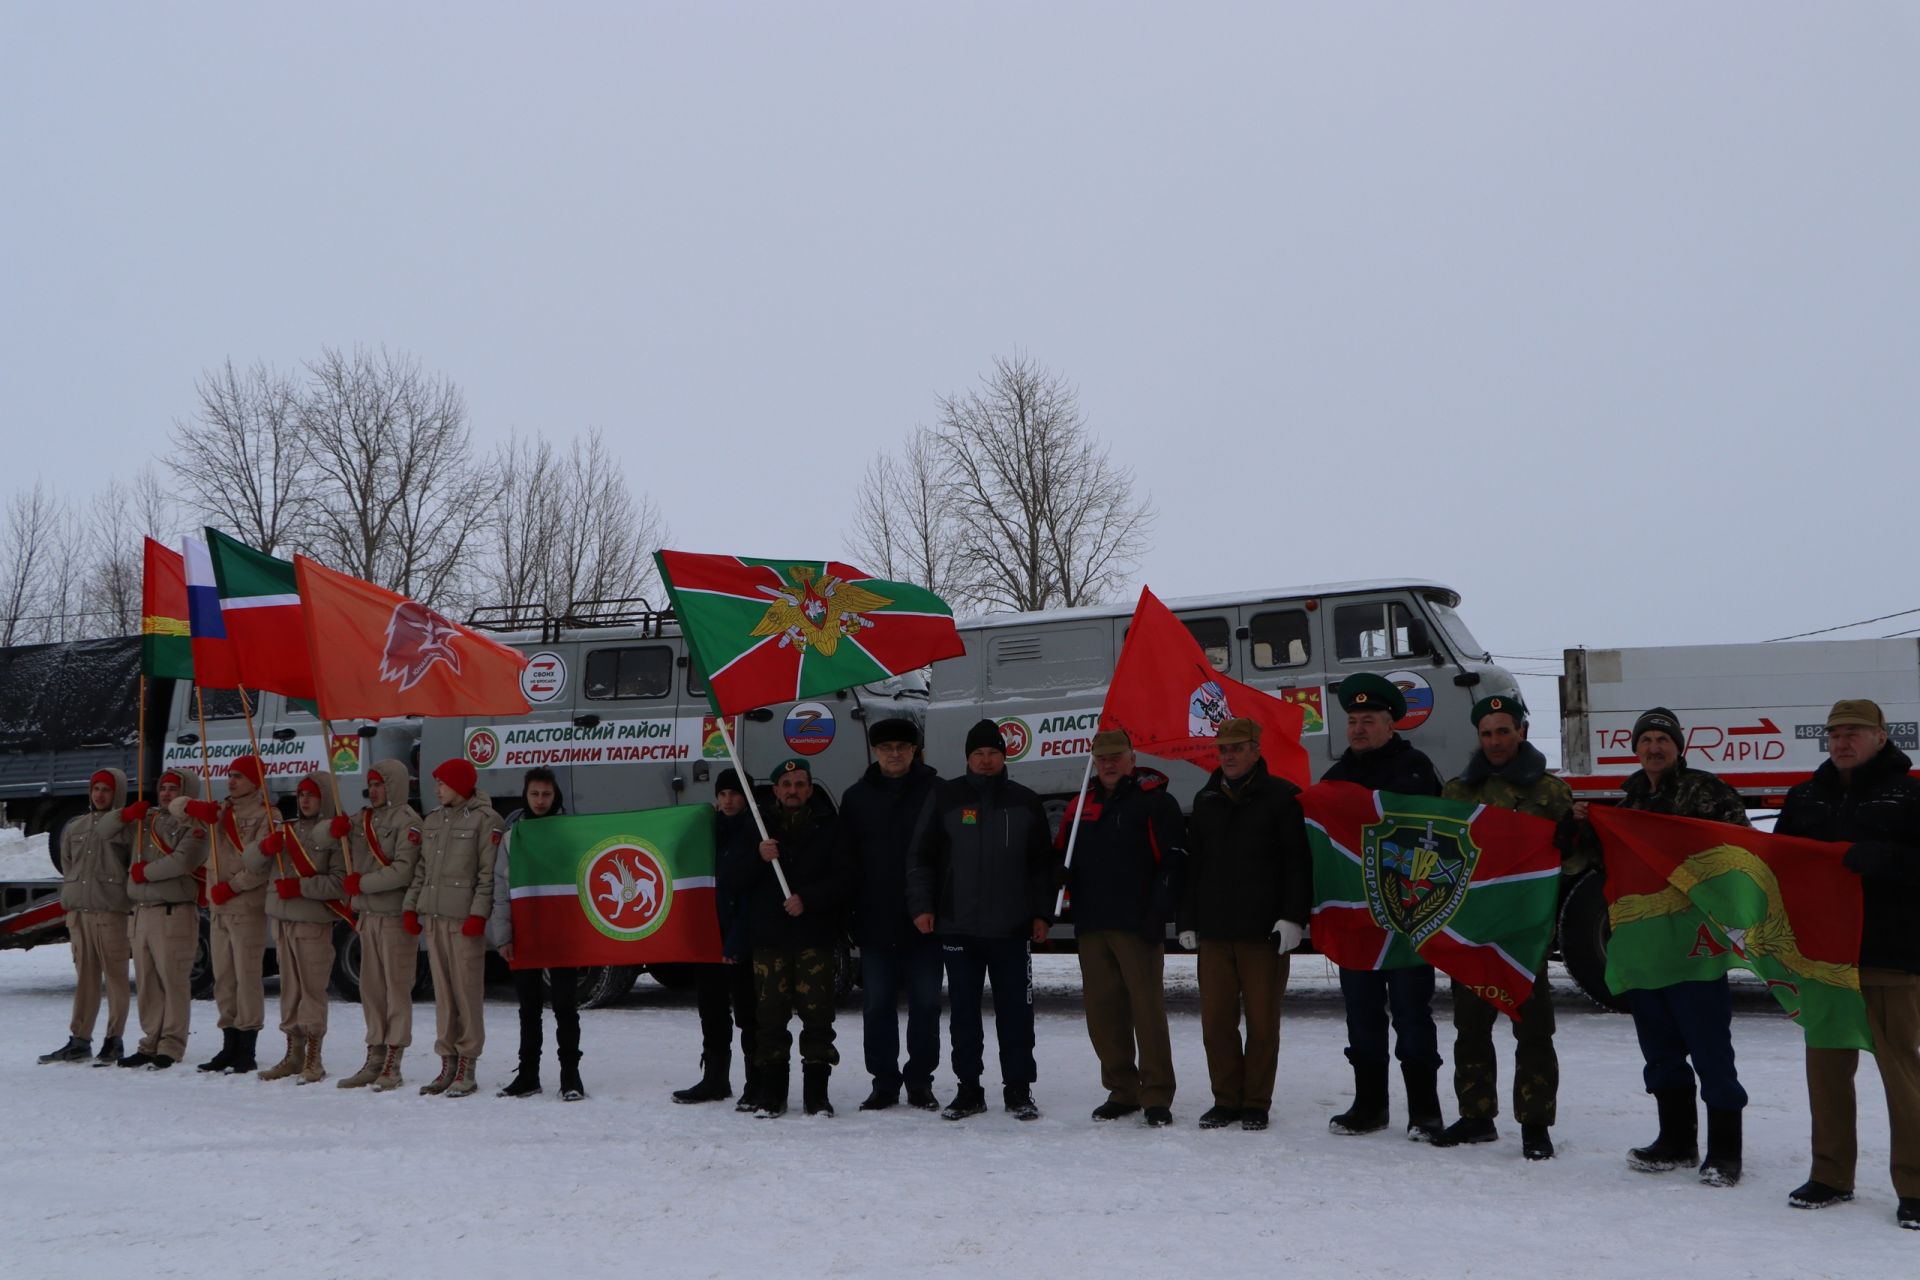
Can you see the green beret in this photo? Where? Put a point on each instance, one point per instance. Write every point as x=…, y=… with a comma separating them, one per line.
x=792, y=764
x=1505, y=702
x=1365, y=691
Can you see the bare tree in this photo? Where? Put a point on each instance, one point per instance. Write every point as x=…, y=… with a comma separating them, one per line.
x=117, y=521
x=903, y=527
x=1042, y=516
x=32, y=527
x=239, y=461
x=398, y=497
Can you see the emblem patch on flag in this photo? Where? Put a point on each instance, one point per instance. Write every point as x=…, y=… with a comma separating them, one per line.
x=625, y=890
x=1206, y=708
x=1416, y=867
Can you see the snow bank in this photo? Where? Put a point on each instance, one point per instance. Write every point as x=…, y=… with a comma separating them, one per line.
x=24, y=857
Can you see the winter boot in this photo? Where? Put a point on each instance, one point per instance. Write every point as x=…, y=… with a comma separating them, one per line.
x=111, y=1050
x=438, y=1085
x=1423, y=1103
x=296, y=1055
x=160, y=1062
x=749, y=1090
x=1111, y=1110
x=1817, y=1195
x=1368, y=1114
x=1907, y=1213
x=244, y=1044
x=571, y=1089
x=1722, y=1165
x=463, y=1082
x=389, y=1077
x=1678, y=1142
x=220, y=1060
x=920, y=1097
x=1218, y=1117
x=136, y=1060
x=1465, y=1131
x=1159, y=1117
x=1019, y=1102
x=1535, y=1142
x=369, y=1070
x=312, y=1070
x=772, y=1102
x=525, y=1082
x=968, y=1100
x=713, y=1085
x=881, y=1098
x=74, y=1050
x=813, y=1088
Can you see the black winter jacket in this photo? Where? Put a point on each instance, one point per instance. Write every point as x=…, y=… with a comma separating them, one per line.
x=1127, y=858
x=1398, y=766
x=877, y=821
x=1248, y=863
x=1878, y=811
x=810, y=855
x=983, y=861
x=736, y=848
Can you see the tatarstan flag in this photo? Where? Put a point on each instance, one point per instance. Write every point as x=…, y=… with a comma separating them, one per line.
x=1171, y=701
x=1689, y=899
x=1397, y=880
x=767, y=631
x=614, y=889
x=214, y=663
x=166, y=640
x=260, y=603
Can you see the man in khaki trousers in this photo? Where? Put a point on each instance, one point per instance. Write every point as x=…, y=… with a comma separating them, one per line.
x=303, y=907
x=95, y=849
x=166, y=921
x=237, y=874
x=451, y=895
x=384, y=845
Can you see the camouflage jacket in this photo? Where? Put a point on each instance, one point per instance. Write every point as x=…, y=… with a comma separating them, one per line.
x=1524, y=785
x=1688, y=793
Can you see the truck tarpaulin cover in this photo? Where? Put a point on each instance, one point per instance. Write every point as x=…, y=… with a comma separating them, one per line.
x=60, y=697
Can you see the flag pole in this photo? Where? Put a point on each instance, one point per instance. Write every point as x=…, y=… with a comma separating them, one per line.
x=1073, y=833
x=759, y=819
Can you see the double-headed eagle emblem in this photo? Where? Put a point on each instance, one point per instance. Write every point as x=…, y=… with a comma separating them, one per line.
x=815, y=613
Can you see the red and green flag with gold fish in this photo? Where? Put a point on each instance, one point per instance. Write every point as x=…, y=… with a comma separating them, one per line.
x=770, y=631
x=1689, y=899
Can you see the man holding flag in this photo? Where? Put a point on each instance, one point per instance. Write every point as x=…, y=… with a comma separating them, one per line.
x=303, y=906
x=166, y=920
x=239, y=869
x=385, y=848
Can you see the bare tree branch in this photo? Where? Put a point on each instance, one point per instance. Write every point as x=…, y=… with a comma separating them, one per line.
x=239, y=462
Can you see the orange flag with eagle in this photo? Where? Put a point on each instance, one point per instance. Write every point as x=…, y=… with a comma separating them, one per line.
x=377, y=653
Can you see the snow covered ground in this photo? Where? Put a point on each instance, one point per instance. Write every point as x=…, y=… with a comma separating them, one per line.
x=24, y=857
x=114, y=1172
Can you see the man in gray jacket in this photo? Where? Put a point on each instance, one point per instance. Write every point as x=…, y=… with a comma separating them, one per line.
x=383, y=847
x=95, y=849
x=166, y=920
x=451, y=895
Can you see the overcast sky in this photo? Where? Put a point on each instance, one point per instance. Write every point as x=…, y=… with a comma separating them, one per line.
x=1605, y=316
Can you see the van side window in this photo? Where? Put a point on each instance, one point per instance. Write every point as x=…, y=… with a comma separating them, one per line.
x=222, y=704
x=1216, y=637
x=638, y=672
x=1380, y=631
x=696, y=683
x=1281, y=639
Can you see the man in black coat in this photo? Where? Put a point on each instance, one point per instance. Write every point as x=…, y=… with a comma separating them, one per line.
x=1248, y=890
x=877, y=820
x=1865, y=793
x=724, y=991
x=1127, y=853
x=1379, y=759
x=983, y=877
x=796, y=935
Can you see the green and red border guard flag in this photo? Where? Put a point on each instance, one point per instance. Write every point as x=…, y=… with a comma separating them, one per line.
x=768, y=631
x=614, y=889
x=166, y=640
x=1171, y=702
x=260, y=604
x=1689, y=899
x=1397, y=880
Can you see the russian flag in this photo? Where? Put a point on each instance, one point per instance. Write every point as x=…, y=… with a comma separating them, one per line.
x=214, y=665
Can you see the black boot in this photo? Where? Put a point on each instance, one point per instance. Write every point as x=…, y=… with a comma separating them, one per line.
x=1019, y=1102
x=571, y=1088
x=714, y=1083
x=750, y=1090
x=1535, y=1142
x=1722, y=1166
x=525, y=1082
x=1678, y=1142
x=1368, y=1114
x=881, y=1098
x=111, y=1050
x=243, y=1045
x=1465, y=1131
x=920, y=1097
x=74, y=1050
x=968, y=1100
x=1423, y=1102
x=813, y=1088
x=772, y=1101
x=221, y=1060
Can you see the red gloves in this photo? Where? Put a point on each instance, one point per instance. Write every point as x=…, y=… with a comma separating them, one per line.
x=203, y=810
x=287, y=888
x=135, y=811
x=473, y=926
x=350, y=885
x=273, y=844
x=221, y=894
x=339, y=827
x=410, y=921
x=138, y=872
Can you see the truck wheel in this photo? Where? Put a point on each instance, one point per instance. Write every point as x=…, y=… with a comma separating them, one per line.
x=346, y=963
x=200, y=982
x=56, y=826
x=674, y=977
x=601, y=985
x=1583, y=940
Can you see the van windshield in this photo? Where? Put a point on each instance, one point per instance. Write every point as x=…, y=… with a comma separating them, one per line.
x=1455, y=629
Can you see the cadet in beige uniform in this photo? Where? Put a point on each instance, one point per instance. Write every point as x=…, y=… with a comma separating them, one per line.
x=452, y=893
x=95, y=849
x=166, y=921
x=384, y=847
x=237, y=875
x=305, y=902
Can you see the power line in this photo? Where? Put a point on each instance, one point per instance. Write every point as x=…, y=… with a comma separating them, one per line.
x=1845, y=626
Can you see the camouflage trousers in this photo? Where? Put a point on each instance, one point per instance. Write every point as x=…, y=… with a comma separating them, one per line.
x=786, y=981
x=1536, y=1067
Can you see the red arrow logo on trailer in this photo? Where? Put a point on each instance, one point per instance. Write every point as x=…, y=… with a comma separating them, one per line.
x=1765, y=726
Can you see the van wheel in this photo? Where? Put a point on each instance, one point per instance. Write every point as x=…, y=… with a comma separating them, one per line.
x=346, y=963
x=603, y=984
x=200, y=980
x=1583, y=940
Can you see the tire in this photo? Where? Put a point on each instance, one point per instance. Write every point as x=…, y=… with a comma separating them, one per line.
x=674, y=977
x=602, y=985
x=200, y=983
x=346, y=963
x=1583, y=940
x=56, y=826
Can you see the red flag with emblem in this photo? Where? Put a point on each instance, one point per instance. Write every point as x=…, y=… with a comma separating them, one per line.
x=1171, y=702
x=377, y=653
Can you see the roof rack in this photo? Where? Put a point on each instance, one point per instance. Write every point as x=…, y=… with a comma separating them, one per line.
x=524, y=616
x=617, y=611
